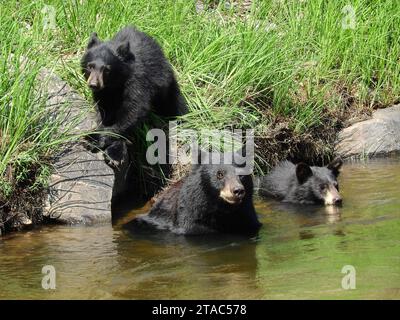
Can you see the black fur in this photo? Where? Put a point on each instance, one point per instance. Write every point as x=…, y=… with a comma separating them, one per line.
x=194, y=206
x=301, y=183
x=130, y=77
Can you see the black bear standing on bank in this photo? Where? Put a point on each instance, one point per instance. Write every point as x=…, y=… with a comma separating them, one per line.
x=303, y=184
x=129, y=75
x=212, y=198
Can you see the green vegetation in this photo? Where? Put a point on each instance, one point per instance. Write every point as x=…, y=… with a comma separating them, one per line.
x=288, y=69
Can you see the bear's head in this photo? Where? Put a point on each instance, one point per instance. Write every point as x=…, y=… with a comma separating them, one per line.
x=321, y=182
x=224, y=178
x=105, y=66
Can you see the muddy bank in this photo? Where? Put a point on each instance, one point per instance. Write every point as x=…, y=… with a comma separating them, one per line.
x=23, y=209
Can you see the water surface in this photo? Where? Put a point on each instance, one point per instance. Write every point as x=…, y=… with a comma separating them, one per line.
x=298, y=253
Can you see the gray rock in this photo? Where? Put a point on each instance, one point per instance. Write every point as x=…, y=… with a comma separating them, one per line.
x=377, y=136
x=80, y=189
x=65, y=105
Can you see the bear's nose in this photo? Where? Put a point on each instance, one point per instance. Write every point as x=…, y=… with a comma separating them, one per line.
x=337, y=200
x=239, y=192
x=93, y=85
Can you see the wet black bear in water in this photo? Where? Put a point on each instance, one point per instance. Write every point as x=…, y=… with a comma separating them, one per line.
x=128, y=75
x=303, y=184
x=211, y=198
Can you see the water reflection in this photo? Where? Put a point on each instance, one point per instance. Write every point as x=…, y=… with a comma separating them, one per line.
x=80, y=255
x=208, y=266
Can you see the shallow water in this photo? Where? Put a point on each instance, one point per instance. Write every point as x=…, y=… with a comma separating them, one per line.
x=299, y=253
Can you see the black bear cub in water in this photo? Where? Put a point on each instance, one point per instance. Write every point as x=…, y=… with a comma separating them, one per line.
x=128, y=75
x=303, y=184
x=211, y=198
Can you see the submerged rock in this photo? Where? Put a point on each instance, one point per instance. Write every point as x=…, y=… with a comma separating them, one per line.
x=377, y=136
x=80, y=189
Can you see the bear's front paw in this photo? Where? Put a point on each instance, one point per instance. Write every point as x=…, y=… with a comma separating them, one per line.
x=116, y=154
x=97, y=142
x=91, y=142
x=114, y=164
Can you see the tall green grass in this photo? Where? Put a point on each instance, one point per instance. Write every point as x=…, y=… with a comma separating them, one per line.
x=279, y=66
x=31, y=132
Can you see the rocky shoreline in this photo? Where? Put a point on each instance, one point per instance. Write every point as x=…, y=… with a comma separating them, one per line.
x=378, y=136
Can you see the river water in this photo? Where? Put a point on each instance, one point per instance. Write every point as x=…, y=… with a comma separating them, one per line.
x=298, y=253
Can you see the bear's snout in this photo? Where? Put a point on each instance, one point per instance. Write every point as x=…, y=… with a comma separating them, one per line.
x=233, y=192
x=239, y=192
x=332, y=197
x=95, y=81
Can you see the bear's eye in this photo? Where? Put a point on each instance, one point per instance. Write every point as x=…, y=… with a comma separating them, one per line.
x=220, y=174
x=323, y=187
x=336, y=185
x=107, y=69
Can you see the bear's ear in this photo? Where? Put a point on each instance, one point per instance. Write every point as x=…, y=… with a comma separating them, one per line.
x=335, y=166
x=303, y=172
x=93, y=41
x=124, y=51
